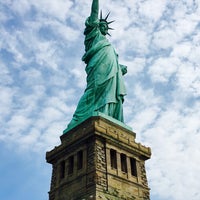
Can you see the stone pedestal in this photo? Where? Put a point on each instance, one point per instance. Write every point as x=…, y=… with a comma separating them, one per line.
x=99, y=160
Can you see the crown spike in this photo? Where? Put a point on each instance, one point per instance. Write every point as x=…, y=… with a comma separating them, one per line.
x=110, y=22
x=101, y=15
x=107, y=16
x=109, y=34
x=111, y=28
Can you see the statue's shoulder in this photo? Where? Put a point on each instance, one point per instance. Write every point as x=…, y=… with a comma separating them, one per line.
x=91, y=26
x=92, y=23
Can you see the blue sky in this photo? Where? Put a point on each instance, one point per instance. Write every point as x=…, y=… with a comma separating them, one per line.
x=42, y=78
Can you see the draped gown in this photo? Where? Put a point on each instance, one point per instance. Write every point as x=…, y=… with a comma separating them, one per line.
x=105, y=87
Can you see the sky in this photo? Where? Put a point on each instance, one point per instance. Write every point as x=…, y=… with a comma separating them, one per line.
x=42, y=79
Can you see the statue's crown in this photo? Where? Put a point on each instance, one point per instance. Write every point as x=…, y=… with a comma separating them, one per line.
x=105, y=20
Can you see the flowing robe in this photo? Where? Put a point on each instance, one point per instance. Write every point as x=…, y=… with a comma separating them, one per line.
x=105, y=87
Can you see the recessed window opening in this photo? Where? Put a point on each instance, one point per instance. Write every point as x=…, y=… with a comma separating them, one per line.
x=113, y=158
x=133, y=167
x=123, y=163
x=80, y=160
x=70, y=165
x=62, y=169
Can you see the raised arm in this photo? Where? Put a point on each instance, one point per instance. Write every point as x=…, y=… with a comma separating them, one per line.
x=94, y=10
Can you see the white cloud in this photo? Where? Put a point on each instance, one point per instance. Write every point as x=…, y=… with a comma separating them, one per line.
x=6, y=100
x=152, y=9
x=80, y=76
x=47, y=116
x=163, y=68
x=21, y=6
x=46, y=55
x=17, y=124
x=188, y=78
x=146, y=97
x=136, y=41
x=145, y=118
x=12, y=44
x=58, y=9
x=174, y=144
x=28, y=141
x=135, y=66
x=143, y=109
x=194, y=55
x=5, y=76
x=165, y=38
x=182, y=50
x=185, y=27
x=32, y=77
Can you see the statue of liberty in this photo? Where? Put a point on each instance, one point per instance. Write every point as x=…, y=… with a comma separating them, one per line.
x=105, y=89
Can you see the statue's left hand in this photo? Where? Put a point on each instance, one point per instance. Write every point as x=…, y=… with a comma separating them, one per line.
x=123, y=69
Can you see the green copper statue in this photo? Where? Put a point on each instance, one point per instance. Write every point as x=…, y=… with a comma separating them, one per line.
x=105, y=86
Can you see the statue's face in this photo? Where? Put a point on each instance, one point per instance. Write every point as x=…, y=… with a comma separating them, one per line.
x=103, y=28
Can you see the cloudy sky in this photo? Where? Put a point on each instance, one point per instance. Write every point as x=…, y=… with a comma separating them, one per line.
x=42, y=78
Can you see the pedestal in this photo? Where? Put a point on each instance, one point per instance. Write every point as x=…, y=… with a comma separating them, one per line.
x=99, y=160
